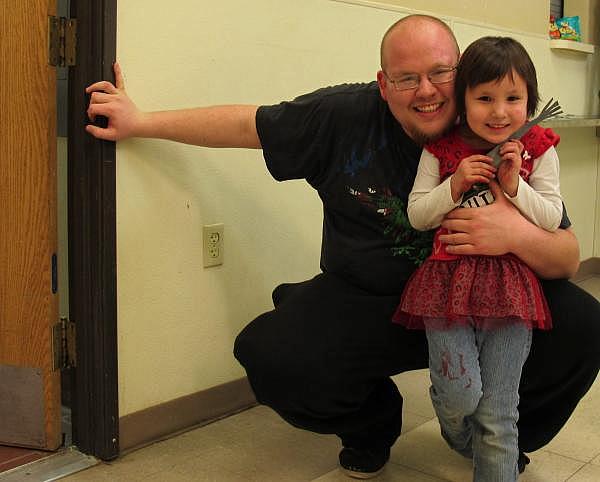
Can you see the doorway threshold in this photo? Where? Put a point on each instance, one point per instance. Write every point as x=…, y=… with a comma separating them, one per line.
x=50, y=468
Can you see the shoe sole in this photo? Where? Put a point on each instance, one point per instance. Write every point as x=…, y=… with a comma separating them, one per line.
x=361, y=475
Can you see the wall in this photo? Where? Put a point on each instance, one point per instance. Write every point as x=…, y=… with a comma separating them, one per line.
x=589, y=18
x=177, y=321
x=532, y=15
x=578, y=151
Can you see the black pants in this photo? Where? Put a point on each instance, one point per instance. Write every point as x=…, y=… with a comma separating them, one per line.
x=324, y=356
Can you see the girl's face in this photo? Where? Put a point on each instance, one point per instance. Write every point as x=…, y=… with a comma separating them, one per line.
x=498, y=108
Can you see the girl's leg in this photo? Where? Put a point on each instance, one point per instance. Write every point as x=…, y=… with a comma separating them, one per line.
x=502, y=353
x=456, y=383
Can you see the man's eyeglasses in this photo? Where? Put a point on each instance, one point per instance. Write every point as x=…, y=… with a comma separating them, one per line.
x=412, y=81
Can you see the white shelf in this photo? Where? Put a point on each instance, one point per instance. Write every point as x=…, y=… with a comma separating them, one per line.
x=573, y=121
x=572, y=45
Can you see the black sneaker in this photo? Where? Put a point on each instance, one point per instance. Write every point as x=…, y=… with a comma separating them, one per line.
x=522, y=462
x=363, y=463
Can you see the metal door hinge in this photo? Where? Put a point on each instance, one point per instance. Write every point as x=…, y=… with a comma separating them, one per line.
x=62, y=41
x=63, y=344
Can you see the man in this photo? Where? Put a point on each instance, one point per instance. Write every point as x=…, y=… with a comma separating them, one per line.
x=324, y=356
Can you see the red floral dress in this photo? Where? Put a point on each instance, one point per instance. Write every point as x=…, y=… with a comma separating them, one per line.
x=483, y=291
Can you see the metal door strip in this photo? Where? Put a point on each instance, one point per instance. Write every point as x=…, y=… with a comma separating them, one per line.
x=53, y=467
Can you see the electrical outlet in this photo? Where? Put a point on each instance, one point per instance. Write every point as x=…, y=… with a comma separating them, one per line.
x=213, y=242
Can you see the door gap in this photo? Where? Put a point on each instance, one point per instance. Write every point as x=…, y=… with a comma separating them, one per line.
x=63, y=9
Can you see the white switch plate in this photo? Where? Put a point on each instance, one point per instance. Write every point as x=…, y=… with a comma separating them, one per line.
x=212, y=244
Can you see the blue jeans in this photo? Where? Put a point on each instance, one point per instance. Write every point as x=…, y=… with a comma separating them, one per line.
x=475, y=375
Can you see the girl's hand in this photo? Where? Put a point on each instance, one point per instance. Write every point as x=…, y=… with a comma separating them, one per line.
x=508, y=171
x=471, y=170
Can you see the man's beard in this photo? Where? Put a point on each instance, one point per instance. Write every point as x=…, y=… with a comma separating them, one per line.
x=422, y=138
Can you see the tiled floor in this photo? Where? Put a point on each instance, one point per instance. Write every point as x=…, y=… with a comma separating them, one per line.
x=256, y=445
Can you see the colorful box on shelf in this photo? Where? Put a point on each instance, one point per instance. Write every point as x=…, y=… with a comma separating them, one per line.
x=565, y=34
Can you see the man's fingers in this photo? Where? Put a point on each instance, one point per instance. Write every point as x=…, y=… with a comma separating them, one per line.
x=96, y=110
x=457, y=228
x=454, y=238
x=109, y=87
x=461, y=249
x=101, y=133
x=119, y=80
x=100, y=98
x=103, y=86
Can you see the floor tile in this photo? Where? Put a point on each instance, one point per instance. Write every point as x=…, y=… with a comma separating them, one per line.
x=580, y=437
x=424, y=450
x=410, y=421
x=589, y=473
x=255, y=445
x=391, y=473
x=170, y=476
x=414, y=387
x=549, y=467
x=591, y=285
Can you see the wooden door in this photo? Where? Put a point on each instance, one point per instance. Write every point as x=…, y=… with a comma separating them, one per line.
x=29, y=384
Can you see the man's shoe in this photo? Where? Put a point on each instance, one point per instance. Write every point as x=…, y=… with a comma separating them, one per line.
x=522, y=462
x=363, y=463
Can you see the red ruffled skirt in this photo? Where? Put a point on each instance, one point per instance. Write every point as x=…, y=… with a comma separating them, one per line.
x=473, y=290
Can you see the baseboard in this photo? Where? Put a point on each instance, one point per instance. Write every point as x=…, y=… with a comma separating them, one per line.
x=587, y=268
x=182, y=414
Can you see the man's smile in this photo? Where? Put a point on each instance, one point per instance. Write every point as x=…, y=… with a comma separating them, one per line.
x=428, y=108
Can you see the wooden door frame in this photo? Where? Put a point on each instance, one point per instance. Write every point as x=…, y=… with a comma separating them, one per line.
x=92, y=240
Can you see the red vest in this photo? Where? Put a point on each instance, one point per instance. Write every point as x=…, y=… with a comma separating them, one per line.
x=452, y=149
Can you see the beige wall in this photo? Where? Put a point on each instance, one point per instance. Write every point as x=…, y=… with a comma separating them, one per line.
x=589, y=18
x=177, y=321
x=578, y=152
x=530, y=16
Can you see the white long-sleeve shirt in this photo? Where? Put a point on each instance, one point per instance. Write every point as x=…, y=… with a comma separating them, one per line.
x=539, y=200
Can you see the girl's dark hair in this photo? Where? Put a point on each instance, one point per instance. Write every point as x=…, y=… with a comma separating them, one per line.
x=492, y=58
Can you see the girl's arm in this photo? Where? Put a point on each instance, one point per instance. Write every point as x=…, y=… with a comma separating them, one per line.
x=540, y=200
x=429, y=201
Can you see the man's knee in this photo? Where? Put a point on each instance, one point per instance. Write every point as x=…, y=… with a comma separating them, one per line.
x=243, y=347
x=271, y=352
x=256, y=355
x=253, y=345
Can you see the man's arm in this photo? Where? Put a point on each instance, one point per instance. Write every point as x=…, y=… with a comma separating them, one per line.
x=217, y=126
x=500, y=228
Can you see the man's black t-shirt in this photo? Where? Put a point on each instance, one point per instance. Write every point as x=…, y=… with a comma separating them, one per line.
x=345, y=142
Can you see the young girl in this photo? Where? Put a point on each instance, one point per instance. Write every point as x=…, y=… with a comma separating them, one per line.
x=478, y=311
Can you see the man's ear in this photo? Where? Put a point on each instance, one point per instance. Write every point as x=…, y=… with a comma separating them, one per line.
x=382, y=83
